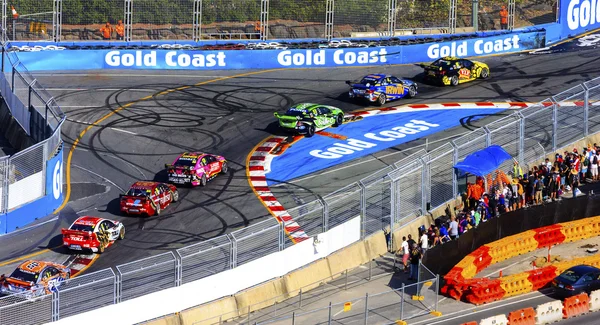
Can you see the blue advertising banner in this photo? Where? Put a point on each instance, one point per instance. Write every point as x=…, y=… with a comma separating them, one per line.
x=579, y=16
x=271, y=59
x=44, y=206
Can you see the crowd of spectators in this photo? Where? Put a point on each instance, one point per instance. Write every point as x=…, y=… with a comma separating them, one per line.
x=489, y=198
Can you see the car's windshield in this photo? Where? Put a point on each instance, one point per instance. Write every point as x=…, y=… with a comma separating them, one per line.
x=442, y=63
x=296, y=111
x=24, y=276
x=368, y=80
x=185, y=161
x=137, y=192
x=570, y=276
x=82, y=227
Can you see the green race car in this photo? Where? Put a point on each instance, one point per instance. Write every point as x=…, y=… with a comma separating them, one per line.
x=308, y=118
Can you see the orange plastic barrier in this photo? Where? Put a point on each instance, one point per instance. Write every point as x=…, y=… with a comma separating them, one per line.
x=482, y=258
x=549, y=235
x=484, y=291
x=539, y=278
x=516, y=284
x=468, y=266
x=576, y=230
x=470, y=323
x=576, y=305
x=524, y=316
x=594, y=226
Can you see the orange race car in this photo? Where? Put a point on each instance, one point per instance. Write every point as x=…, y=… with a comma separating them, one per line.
x=34, y=278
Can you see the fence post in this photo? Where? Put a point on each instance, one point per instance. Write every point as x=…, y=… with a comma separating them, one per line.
x=128, y=13
x=474, y=13
x=586, y=111
x=392, y=17
x=329, y=12
x=329, y=319
x=12, y=83
x=554, y=125
x=346, y=281
x=363, y=210
x=55, y=305
x=233, y=251
x=294, y=318
x=393, y=208
x=402, y=303
x=325, y=222
x=521, y=138
x=264, y=20
x=197, y=21
x=454, y=174
x=366, y=308
x=178, y=269
x=118, y=286
x=424, y=185
x=437, y=289
x=300, y=299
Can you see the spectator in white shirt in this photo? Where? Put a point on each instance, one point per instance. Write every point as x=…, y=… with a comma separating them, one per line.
x=424, y=242
x=405, y=254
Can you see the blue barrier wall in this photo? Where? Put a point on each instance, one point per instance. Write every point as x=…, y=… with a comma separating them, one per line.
x=579, y=16
x=42, y=207
x=269, y=59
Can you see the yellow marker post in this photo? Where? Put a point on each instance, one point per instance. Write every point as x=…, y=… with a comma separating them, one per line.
x=347, y=306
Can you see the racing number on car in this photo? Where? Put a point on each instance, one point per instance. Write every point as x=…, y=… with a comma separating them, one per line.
x=464, y=73
x=32, y=265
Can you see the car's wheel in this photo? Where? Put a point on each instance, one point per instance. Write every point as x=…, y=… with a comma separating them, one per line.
x=175, y=196
x=224, y=168
x=485, y=73
x=454, y=80
x=339, y=119
x=412, y=91
x=203, y=180
x=310, y=130
x=381, y=100
x=122, y=233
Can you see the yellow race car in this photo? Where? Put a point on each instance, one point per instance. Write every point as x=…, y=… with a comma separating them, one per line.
x=451, y=71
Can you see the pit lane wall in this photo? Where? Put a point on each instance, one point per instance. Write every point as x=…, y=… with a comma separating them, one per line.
x=280, y=274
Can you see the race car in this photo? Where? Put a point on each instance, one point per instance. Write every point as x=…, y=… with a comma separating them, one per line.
x=92, y=233
x=148, y=198
x=34, y=278
x=309, y=118
x=381, y=88
x=196, y=168
x=453, y=71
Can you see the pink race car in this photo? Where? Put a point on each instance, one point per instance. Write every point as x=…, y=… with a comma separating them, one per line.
x=195, y=168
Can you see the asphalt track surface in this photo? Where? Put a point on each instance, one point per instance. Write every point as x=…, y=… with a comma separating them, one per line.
x=229, y=117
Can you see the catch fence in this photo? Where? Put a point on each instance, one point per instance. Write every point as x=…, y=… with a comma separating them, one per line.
x=39, y=120
x=197, y=20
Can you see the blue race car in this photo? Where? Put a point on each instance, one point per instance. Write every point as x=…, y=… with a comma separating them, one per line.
x=381, y=88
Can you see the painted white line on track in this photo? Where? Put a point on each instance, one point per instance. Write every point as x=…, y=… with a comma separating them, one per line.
x=178, y=76
x=100, y=176
x=124, y=131
x=369, y=160
x=103, y=89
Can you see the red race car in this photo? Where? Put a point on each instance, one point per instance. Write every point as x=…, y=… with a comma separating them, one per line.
x=148, y=198
x=92, y=233
x=196, y=168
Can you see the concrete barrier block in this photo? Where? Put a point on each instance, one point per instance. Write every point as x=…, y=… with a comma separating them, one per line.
x=166, y=320
x=376, y=245
x=209, y=313
x=261, y=296
x=307, y=278
x=348, y=258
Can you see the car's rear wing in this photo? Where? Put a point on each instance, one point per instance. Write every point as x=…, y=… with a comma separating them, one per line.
x=429, y=67
x=171, y=166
